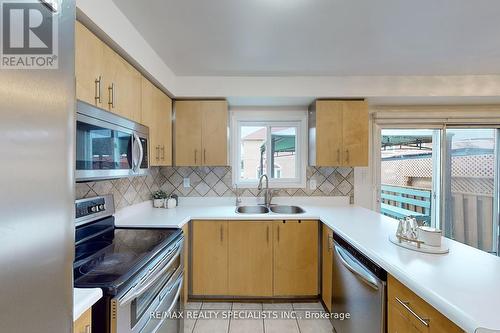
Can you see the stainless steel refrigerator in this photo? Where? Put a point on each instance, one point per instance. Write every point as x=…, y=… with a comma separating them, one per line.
x=36, y=169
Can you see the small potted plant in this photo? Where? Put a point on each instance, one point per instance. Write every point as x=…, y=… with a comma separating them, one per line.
x=159, y=199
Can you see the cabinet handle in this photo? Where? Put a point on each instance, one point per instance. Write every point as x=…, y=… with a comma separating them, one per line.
x=157, y=152
x=162, y=153
x=221, y=234
x=330, y=242
x=204, y=155
x=406, y=305
x=111, y=90
x=195, y=153
x=278, y=235
x=347, y=155
x=87, y=329
x=267, y=234
x=338, y=155
x=98, y=90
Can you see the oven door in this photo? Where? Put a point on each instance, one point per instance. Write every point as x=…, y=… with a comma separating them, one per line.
x=107, y=150
x=157, y=290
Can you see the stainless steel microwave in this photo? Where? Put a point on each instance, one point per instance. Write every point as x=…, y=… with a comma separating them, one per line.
x=108, y=146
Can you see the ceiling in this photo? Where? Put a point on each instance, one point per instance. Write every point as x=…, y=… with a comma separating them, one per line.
x=321, y=37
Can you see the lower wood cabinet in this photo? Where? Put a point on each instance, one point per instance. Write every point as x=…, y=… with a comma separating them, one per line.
x=295, y=258
x=209, y=258
x=250, y=258
x=326, y=266
x=408, y=313
x=254, y=258
x=84, y=323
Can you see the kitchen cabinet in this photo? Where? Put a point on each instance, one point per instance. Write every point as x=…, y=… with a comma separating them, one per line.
x=409, y=313
x=104, y=78
x=89, y=58
x=250, y=258
x=326, y=266
x=123, y=86
x=295, y=258
x=156, y=113
x=209, y=258
x=84, y=323
x=338, y=133
x=201, y=133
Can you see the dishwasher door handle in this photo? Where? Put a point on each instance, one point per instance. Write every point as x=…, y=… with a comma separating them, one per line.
x=363, y=276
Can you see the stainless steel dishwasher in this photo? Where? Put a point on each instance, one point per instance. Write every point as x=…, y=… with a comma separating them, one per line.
x=359, y=288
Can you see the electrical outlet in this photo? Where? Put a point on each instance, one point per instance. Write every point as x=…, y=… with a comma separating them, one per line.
x=186, y=182
x=312, y=184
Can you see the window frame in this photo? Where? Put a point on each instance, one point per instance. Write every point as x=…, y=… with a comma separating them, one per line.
x=281, y=118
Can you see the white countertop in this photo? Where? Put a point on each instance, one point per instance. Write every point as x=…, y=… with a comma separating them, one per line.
x=83, y=299
x=463, y=285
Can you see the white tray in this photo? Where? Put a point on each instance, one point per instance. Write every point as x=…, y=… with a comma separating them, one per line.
x=423, y=247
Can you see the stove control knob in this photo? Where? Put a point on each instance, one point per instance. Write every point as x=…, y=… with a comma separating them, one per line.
x=94, y=209
x=101, y=207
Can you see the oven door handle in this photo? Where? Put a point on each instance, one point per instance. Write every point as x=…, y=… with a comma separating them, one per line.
x=141, y=288
x=180, y=283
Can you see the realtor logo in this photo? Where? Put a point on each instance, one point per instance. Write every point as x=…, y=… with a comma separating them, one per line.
x=29, y=34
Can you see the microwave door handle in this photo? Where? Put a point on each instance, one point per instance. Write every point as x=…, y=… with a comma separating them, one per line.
x=138, y=143
x=139, y=289
x=367, y=279
x=132, y=140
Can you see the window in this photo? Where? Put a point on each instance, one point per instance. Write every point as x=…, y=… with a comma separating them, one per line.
x=271, y=143
x=447, y=177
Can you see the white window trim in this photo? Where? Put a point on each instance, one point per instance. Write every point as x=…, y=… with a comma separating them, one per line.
x=296, y=118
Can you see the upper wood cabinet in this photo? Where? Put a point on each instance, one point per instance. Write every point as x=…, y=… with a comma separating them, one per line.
x=156, y=113
x=201, y=133
x=338, y=133
x=104, y=78
x=209, y=258
x=409, y=313
x=326, y=266
x=250, y=258
x=296, y=258
x=89, y=66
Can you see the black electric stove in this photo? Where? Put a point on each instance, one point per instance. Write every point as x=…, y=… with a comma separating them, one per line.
x=106, y=256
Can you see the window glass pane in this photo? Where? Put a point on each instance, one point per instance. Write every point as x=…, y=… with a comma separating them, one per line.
x=470, y=186
x=253, y=152
x=283, y=152
x=408, y=173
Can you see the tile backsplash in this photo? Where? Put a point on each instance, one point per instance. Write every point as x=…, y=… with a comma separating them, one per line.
x=210, y=181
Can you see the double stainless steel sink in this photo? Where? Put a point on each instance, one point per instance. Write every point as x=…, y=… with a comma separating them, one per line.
x=278, y=209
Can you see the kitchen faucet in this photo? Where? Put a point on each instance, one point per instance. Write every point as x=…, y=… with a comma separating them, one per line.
x=267, y=194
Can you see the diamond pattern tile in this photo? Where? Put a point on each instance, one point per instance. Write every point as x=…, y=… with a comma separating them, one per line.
x=206, y=181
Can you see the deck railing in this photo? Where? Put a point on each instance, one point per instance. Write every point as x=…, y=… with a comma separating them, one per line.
x=403, y=201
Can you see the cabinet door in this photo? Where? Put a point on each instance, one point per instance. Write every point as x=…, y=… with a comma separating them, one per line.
x=156, y=113
x=295, y=258
x=164, y=131
x=329, y=133
x=148, y=118
x=397, y=321
x=122, y=85
x=250, y=258
x=188, y=119
x=355, y=133
x=214, y=133
x=209, y=258
x=327, y=267
x=89, y=51
x=84, y=323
